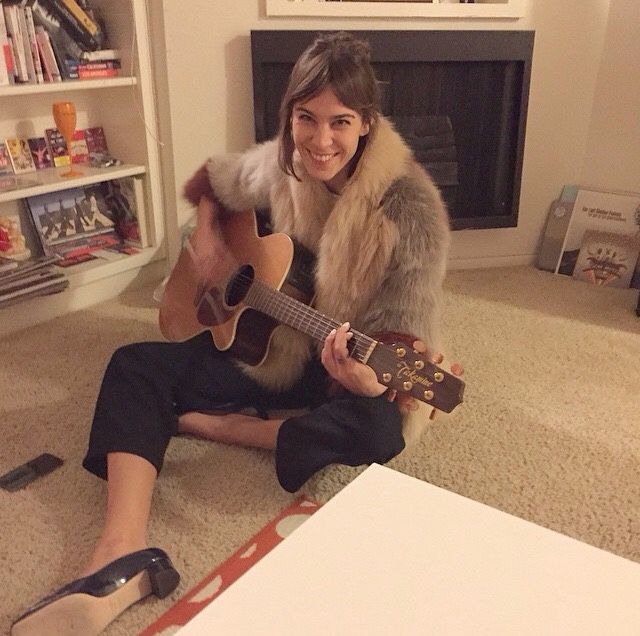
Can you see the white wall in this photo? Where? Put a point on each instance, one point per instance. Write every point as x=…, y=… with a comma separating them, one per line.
x=612, y=158
x=206, y=105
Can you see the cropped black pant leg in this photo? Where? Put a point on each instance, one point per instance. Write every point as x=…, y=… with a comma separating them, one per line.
x=350, y=430
x=147, y=386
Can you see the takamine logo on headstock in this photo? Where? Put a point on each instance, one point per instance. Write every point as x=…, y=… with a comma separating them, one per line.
x=408, y=371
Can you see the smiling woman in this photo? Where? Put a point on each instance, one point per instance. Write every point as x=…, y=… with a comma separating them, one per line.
x=340, y=181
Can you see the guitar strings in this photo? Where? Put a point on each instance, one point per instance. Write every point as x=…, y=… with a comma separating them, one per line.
x=295, y=313
x=298, y=315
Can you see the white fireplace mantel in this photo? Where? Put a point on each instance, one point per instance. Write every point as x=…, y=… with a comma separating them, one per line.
x=394, y=9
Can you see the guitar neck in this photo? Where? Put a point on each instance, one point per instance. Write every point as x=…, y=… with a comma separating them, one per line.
x=301, y=317
x=396, y=366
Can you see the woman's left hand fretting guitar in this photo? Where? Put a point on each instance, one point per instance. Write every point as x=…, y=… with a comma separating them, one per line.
x=262, y=282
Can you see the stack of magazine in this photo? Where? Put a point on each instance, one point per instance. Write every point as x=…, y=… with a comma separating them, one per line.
x=27, y=279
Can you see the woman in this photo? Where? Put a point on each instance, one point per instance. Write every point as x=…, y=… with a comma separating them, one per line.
x=342, y=182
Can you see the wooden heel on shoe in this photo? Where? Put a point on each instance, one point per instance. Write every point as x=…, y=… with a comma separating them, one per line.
x=164, y=577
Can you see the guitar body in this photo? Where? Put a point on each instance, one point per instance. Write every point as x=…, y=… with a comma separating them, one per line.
x=239, y=329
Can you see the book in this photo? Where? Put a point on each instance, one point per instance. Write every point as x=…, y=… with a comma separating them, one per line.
x=96, y=143
x=79, y=149
x=33, y=44
x=75, y=259
x=97, y=73
x=127, y=199
x=14, y=30
x=5, y=160
x=607, y=258
x=12, y=283
x=40, y=153
x=57, y=147
x=6, y=56
x=20, y=155
x=65, y=49
x=100, y=55
x=28, y=267
x=83, y=250
x=49, y=62
x=98, y=66
x=26, y=43
x=580, y=209
x=88, y=38
x=82, y=17
x=49, y=285
x=67, y=219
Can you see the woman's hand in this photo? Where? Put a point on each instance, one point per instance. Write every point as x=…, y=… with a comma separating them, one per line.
x=198, y=186
x=209, y=254
x=205, y=238
x=354, y=376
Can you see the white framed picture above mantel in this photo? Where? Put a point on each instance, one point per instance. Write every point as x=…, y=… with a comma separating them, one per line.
x=397, y=8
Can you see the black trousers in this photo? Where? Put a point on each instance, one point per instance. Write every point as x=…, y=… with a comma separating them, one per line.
x=148, y=385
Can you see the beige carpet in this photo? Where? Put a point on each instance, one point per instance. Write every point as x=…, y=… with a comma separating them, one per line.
x=550, y=431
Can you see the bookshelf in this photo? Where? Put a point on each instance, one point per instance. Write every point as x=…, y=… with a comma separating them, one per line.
x=125, y=107
x=51, y=180
x=65, y=87
x=511, y=9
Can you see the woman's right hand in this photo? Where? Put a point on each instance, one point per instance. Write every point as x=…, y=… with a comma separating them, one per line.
x=198, y=186
x=209, y=254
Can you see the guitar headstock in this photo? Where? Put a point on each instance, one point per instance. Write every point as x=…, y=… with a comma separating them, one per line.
x=407, y=371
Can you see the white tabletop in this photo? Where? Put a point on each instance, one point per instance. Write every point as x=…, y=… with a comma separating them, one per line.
x=391, y=554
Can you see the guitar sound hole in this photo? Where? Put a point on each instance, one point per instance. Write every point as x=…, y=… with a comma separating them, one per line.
x=239, y=285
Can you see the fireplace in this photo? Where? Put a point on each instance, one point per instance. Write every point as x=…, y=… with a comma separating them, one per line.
x=458, y=97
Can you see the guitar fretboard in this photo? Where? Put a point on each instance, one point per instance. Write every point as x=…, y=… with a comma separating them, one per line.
x=301, y=317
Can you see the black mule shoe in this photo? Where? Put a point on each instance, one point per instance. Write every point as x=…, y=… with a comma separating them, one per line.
x=86, y=606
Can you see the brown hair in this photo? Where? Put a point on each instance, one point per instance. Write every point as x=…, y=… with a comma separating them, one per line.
x=341, y=61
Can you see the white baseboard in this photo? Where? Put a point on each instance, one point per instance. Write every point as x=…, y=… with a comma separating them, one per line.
x=481, y=262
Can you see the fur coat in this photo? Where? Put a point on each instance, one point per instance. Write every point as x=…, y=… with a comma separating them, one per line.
x=381, y=244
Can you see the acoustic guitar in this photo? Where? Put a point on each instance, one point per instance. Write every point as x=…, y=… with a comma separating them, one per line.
x=261, y=282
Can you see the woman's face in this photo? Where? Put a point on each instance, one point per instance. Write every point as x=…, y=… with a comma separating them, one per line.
x=326, y=134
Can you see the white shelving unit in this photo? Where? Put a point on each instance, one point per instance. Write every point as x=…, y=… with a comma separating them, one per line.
x=52, y=180
x=65, y=87
x=125, y=108
x=395, y=9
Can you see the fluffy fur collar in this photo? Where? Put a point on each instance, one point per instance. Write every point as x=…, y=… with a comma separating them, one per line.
x=350, y=235
x=358, y=239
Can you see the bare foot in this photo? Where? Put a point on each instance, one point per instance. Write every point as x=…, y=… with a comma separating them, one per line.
x=232, y=428
x=209, y=426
